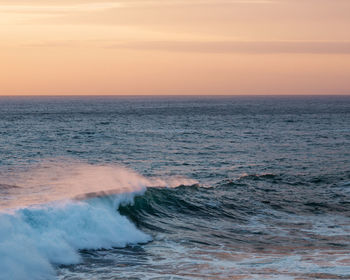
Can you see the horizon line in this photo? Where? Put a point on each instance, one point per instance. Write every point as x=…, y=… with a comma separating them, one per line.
x=169, y=95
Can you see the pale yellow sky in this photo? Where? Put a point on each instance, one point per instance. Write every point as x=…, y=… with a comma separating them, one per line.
x=174, y=47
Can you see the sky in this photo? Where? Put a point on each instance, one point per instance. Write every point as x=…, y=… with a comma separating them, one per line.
x=157, y=47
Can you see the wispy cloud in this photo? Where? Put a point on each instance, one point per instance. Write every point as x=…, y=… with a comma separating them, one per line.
x=39, y=6
x=225, y=47
x=140, y=2
x=253, y=47
x=58, y=8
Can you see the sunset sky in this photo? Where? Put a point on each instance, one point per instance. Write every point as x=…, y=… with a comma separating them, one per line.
x=53, y=47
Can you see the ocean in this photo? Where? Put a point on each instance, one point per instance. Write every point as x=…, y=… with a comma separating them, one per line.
x=254, y=187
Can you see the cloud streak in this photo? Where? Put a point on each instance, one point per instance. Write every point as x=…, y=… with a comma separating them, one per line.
x=251, y=47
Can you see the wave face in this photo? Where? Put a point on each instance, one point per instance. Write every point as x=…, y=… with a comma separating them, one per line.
x=239, y=206
x=81, y=214
x=255, y=226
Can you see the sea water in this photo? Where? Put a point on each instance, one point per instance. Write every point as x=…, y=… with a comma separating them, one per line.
x=175, y=187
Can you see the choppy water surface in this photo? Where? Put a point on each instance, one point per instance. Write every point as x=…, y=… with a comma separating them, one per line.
x=175, y=188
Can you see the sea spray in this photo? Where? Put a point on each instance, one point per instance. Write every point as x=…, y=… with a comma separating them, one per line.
x=52, y=180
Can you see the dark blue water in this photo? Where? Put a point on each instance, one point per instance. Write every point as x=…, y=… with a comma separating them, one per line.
x=262, y=187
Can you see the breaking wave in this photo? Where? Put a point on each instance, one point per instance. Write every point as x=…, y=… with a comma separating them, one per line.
x=60, y=209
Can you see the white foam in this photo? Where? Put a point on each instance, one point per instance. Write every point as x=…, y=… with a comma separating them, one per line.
x=34, y=238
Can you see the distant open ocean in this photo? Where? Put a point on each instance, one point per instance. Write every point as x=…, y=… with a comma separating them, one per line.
x=175, y=187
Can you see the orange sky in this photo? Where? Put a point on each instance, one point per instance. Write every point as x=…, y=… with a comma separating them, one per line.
x=174, y=47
